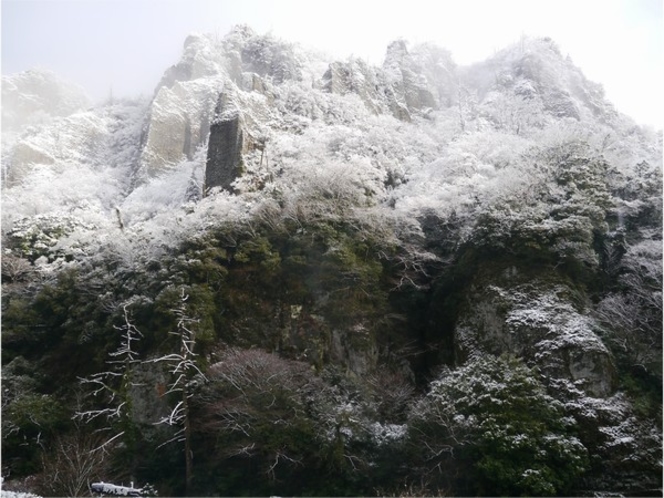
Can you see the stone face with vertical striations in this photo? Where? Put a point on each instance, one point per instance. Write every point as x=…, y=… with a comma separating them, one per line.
x=224, y=159
x=356, y=76
x=177, y=125
x=409, y=87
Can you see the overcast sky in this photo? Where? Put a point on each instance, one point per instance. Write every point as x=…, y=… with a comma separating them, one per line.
x=127, y=44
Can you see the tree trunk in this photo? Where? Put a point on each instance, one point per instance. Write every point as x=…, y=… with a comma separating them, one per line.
x=188, y=456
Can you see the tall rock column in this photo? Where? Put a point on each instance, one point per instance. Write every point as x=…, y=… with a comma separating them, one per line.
x=224, y=159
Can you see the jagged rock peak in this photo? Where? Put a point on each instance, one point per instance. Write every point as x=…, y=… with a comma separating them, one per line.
x=240, y=33
x=241, y=51
x=396, y=51
x=535, y=70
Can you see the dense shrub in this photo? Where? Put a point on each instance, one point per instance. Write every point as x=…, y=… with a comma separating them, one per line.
x=489, y=428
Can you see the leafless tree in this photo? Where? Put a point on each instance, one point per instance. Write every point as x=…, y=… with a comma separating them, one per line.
x=111, y=385
x=251, y=389
x=393, y=391
x=185, y=374
x=72, y=463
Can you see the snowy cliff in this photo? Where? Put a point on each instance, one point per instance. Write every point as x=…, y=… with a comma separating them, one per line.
x=402, y=231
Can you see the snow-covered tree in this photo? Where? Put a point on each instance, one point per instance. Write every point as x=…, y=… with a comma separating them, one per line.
x=492, y=420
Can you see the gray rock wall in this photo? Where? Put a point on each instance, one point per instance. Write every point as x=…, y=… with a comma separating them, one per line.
x=538, y=322
x=224, y=159
x=178, y=123
x=399, y=87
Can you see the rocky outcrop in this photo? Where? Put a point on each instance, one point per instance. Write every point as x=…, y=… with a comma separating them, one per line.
x=202, y=57
x=409, y=87
x=272, y=58
x=561, y=105
x=535, y=71
x=407, y=84
x=184, y=103
x=68, y=140
x=225, y=147
x=252, y=82
x=356, y=77
x=265, y=55
x=538, y=322
x=147, y=393
x=40, y=99
x=253, y=68
x=178, y=123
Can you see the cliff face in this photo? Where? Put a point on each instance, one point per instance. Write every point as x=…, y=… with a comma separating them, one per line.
x=537, y=320
x=246, y=65
x=187, y=97
x=454, y=267
x=225, y=147
x=38, y=98
x=406, y=84
x=179, y=122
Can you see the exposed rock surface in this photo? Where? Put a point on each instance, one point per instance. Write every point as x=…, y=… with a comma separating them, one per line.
x=185, y=99
x=536, y=71
x=149, y=404
x=357, y=77
x=270, y=58
x=73, y=139
x=538, y=322
x=407, y=82
x=380, y=225
x=224, y=159
x=33, y=100
x=409, y=86
x=179, y=122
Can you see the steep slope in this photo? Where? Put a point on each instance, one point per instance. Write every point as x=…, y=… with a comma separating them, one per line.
x=378, y=261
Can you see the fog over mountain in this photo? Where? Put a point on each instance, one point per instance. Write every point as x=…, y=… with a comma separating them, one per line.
x=121, y=47
x=285, y=274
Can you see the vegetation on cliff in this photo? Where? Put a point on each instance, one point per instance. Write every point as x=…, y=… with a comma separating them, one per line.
x=408, y=282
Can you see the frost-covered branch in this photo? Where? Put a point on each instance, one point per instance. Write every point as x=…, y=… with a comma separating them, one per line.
x=109, y=388
x=183, y=369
